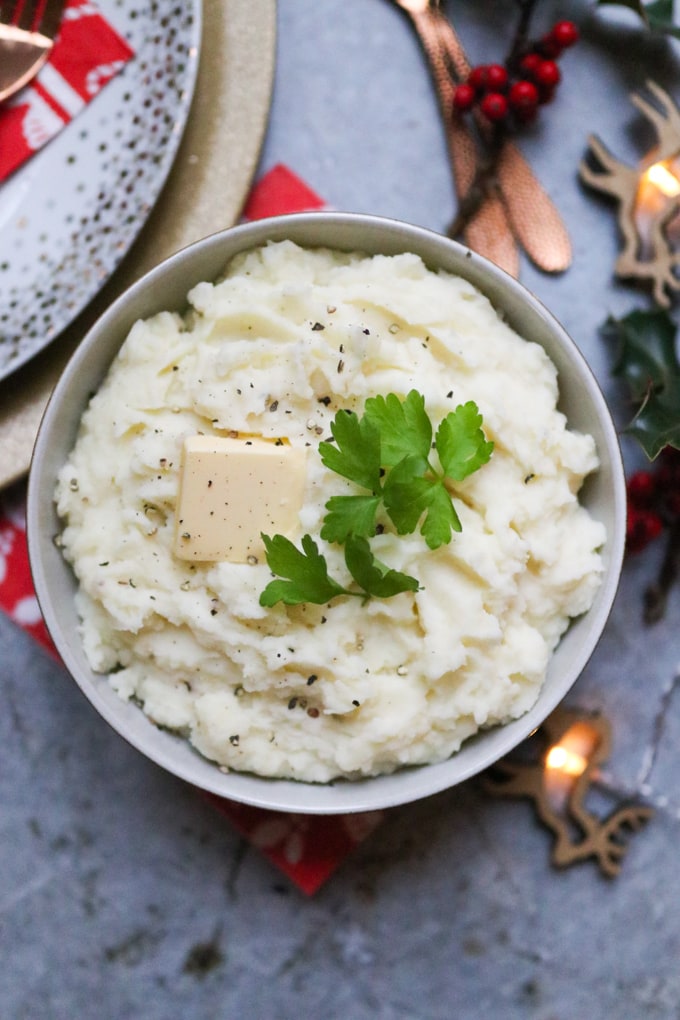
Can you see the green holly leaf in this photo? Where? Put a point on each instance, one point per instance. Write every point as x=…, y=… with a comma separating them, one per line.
x=461, y=445
x=404, y=426
x=656, y=15
x=357, y=453
x=657, y=423
x=350, y=515
x=372, y=575
x=647, y=361
x=303, y=576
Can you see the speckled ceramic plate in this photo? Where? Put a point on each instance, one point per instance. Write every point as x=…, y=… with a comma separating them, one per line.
x=71, y=213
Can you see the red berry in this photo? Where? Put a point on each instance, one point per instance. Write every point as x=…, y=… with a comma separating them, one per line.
x=523, y=99
x=477, y=77
x=668, y=474
x=550, y=47
x=496, y=78
x=565, y=33
x=464, y=98
x=494, y=106
x=670, y=458
x=547, y=74
x=641, y=489
x=672, y=503
x=529, y=64
x=642, y=527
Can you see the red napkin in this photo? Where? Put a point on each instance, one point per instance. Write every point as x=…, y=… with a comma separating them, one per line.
x=86, y=55
x=306, y=848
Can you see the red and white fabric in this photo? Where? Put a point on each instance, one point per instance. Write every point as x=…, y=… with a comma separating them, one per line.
x=87, y=53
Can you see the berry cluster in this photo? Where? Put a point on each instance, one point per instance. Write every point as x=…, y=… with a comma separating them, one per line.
x=653, y=500
x=517, y=90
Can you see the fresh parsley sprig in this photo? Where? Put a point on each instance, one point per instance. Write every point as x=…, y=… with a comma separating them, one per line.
x=303, y=575
x=397, y=434
x=387, y=452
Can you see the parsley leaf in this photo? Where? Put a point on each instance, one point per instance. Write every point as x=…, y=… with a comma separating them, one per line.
x=357, y=454
x=408, y=494
x=461, y=445
x=306, y=573
x=374, y=577
x=349, y=515
x=404, y=426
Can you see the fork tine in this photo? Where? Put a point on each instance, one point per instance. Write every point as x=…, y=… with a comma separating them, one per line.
x=27, y=13
x=51, y=17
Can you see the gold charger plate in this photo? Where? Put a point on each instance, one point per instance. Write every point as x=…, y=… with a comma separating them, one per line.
x=205, y=191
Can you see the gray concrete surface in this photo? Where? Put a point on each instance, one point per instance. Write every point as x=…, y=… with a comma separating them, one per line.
x=124, y=895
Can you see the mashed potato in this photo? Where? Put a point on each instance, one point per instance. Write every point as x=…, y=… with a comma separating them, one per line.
x=286, y=339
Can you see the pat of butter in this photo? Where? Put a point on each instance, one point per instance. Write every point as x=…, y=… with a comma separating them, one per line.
x=230, y=491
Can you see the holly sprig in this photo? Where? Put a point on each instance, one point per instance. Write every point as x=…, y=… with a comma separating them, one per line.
x=389, y=453
x=646, y=360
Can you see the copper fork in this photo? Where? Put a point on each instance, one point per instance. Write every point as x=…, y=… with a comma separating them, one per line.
x=27, y=32
x=519, y=207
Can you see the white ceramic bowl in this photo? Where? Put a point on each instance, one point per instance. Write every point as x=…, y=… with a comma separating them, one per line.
x=165, y=287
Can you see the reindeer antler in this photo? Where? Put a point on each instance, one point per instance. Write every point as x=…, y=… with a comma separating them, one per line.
x=666, y=122
x=649, y=257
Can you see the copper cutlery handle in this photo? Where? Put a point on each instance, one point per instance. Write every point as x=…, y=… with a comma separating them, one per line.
x=526, y=210
x=488, y=232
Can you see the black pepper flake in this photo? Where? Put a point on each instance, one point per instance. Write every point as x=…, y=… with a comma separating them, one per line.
x=234, y=739
x=379, y=529
x=356, y=703
x=213, y=612
x=341, y=365
x=529, y=478
x=449, y=394
x=209, y=482
x=366, y=332
x=274, y=405
x=317, y=326
x=104, y=564
x=311, y=679
x=292, y=703
x=325, y=401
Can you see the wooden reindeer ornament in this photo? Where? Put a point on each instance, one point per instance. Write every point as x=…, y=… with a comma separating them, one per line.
x=648, y=197
x=558, y=781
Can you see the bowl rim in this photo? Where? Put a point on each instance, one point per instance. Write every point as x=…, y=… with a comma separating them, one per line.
x=333, y=229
